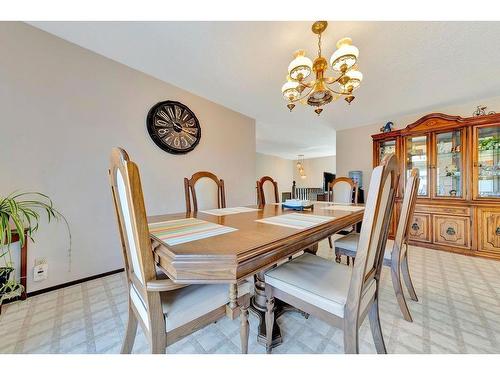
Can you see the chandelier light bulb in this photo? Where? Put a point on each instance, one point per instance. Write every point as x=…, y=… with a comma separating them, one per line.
x=345, y=56
x=352, y=80
x=355, y=78
x=301, y=67
x=290, y=90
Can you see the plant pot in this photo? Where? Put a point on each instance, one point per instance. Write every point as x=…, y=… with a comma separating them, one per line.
x=5, y=275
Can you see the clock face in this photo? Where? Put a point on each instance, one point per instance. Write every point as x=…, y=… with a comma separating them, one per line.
x=173, y=127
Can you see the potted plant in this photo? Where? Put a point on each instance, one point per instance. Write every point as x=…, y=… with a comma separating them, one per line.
x=489, y=143
x=20, y=212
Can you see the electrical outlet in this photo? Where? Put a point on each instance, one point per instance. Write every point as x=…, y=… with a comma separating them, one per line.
x=41, y=269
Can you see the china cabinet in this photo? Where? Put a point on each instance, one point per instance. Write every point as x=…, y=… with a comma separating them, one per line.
x=458, y=206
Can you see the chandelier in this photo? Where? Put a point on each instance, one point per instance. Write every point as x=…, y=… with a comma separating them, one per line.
x=322, y=89
x=300, y=166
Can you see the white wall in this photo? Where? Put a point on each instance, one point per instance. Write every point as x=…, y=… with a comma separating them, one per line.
x=281, y=170
x=62, y=109
x=354, y=146
x=314, y=169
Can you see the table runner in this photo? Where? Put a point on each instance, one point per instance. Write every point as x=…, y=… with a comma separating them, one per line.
x=175, y=232
x=229, y=211
x=295, y=220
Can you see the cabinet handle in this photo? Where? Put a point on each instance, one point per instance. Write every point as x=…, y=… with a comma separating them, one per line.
x=450, y=231
x=497, y=232
x=415, y=227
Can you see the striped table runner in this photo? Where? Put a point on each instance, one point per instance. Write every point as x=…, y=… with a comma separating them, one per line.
x=175, y=232
x=229, y=211
x=297, y=221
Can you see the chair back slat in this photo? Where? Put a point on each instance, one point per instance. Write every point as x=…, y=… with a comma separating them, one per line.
x=407, y=209
x=267, y=191
x=342, y=190
x=374, y=231
x=204, y=190
x=132, y=223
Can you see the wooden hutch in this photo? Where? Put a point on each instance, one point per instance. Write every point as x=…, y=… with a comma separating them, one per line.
x=458, y=208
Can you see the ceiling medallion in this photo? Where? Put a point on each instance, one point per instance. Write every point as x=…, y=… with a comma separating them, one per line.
x=323, y=89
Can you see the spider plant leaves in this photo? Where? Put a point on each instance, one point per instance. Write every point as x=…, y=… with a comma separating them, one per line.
x=22, y=211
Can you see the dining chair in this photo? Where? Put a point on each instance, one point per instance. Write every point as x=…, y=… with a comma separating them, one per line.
x=334, y=292
x=166, y=311
x=205, y=190
x=340, y=190
x=395, y=256
x=267, y=191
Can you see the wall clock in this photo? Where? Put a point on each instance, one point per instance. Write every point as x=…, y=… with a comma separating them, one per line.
x=173, y=127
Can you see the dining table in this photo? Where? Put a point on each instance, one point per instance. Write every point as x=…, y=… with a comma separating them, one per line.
x=247, y=242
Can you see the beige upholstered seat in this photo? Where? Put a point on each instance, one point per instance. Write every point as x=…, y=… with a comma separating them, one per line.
x=317, y=281
x=184, y=305
x=349, y=244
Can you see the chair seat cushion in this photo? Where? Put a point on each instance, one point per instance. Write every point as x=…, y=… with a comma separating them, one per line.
x=184, y=305
x=317, y=281
x=350, y=243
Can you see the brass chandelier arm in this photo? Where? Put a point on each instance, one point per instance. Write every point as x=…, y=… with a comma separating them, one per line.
x=332, y=80
x=302, y=97
x=337, y=92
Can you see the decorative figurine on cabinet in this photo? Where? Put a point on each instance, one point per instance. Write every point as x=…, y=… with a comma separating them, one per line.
x=481, y=111
x=389, y=127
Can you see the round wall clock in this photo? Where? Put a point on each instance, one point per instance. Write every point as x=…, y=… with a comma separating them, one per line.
x=173, y=127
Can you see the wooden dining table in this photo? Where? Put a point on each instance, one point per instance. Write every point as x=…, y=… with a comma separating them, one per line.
x=246, y=252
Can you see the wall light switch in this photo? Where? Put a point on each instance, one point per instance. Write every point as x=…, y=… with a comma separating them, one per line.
x=40, y=271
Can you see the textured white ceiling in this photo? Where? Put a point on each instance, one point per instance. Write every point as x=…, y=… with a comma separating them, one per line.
x=408, y=67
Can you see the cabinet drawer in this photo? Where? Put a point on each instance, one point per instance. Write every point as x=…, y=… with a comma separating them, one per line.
x=489, y=229
x=420, y=228
x=452, y=230
x=448, y=210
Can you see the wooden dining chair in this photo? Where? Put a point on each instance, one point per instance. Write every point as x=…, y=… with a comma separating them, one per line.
x=267, y=191
x=205, y=190
x=334, y=292
x=396, y=256
x=166, y=311
x=342, y=190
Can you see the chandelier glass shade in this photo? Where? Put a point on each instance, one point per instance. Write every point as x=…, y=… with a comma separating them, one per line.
x=322, y=89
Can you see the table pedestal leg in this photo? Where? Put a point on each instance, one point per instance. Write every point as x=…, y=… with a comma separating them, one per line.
x=258, y=307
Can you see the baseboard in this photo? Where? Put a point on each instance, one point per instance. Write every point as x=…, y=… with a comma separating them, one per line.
x=74, y=282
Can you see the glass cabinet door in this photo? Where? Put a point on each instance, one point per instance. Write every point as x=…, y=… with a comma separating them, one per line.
x=488, y=162
x=386, y=148
x=416, y=157
x=448, y=165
